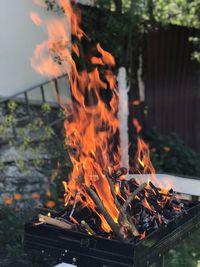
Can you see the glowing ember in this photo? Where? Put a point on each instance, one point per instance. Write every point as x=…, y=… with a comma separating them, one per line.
x=112, y=206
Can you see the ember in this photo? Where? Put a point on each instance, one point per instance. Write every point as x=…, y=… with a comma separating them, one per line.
x=98, y=198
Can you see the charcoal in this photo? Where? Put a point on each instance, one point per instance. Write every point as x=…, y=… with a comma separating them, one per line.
x=133, y=185
x=137, y=207
x=175, y=201
x=167, y=214
x=155, y=205
x=83, y=214
x=122, y=171
x=154, y=188
x=171, y=191
x=155, y=223
x=151, y=193
x=145, y=226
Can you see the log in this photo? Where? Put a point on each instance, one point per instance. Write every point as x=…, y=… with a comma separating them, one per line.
x=114, y=226
x=55, y=222
x=87, y=227
x=132, y=196
x=124, y=220
x=112, y=190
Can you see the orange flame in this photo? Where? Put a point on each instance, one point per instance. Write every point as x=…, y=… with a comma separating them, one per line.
x=107, y=58
x=93, y=126
x=143, y=157
x=90, y=123
x=137, y=125
x=36, y=19
x=146, y=204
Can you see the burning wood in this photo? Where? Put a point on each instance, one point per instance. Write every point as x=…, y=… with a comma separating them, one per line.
x=144, y=209
x=55, y=222
x=113, y=225
x=132, y=196
x=88, y=228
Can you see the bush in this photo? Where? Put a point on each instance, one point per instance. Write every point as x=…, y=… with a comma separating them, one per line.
x=169, y=154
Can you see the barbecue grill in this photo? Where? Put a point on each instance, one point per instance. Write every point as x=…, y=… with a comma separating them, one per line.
x=83, y=250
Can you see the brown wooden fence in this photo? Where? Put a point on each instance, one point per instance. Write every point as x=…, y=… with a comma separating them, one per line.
x=172, y=84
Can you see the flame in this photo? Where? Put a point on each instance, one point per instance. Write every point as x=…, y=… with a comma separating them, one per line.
x=142, y=236
x=117, y=188
x=96, y=61
x=143, y=157
x=137, y=125
x=107, y=58
x=36, y=19
x=91, y=124
x=90, y=132
x=146, y=204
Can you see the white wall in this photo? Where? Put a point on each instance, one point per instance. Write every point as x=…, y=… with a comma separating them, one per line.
x=18, y=38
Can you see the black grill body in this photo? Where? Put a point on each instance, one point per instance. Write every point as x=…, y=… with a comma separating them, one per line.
x=90, y=251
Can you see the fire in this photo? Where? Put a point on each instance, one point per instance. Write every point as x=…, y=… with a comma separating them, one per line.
x=94, y=124
x=142, y=236
x=143, y=157
x=137, y=125
x=146, y=205
x=91, y=124
x=107, y=58
x=117, y=188
x=36, y=19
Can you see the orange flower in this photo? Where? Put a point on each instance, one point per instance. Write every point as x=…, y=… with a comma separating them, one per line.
x=136, y=102
x=35, y=195
x=8, y=200
x=49, y=194
x=50, y=204
x=17, y=196
x=167, y=148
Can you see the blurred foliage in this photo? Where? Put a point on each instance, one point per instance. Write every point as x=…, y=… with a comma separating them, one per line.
x=177, y=12
x=186, y=254
x=138, y=16
x=12, y=105
x=12, y=220
x=120, y=24
x=38, y=139
x=46, y=108
x=169, y=154
x=11, y=235
x=36, y=136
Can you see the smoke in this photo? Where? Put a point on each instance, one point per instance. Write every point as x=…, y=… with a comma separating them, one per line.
x=123, y=116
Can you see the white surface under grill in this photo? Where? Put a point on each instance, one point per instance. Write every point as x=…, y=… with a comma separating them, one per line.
x=64, y=265
x=179, y=184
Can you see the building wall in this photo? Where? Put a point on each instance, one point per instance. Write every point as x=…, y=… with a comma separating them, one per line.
x=19, y=36
x=172, y=84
